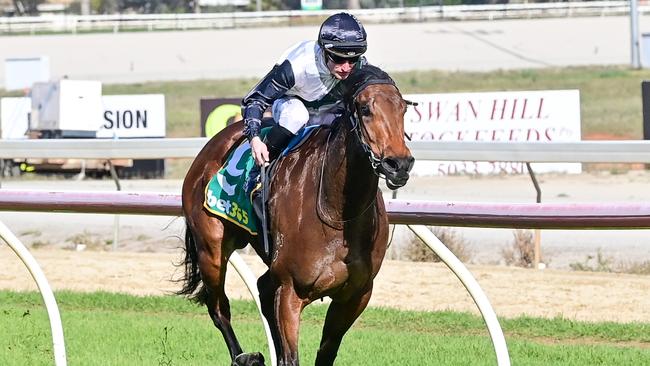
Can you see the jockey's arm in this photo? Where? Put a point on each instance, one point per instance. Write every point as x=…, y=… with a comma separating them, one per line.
x=273, y=86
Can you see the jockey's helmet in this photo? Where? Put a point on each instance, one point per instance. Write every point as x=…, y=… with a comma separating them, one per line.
x=343, y=35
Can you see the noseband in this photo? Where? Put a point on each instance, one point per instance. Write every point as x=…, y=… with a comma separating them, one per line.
x=357, y=128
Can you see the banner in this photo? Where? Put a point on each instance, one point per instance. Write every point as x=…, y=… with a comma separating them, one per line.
x=124, y=116
x=217, y=113
x=521, y=116
x=128, y=116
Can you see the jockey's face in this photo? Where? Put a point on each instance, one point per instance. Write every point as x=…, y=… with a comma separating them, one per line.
x=340, y=67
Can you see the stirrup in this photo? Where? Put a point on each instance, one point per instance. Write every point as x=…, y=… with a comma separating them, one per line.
x=253, y=180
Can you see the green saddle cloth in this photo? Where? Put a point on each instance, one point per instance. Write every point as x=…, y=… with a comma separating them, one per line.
x=225, y=194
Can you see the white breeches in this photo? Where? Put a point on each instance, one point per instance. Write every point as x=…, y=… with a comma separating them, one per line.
x=292, y=114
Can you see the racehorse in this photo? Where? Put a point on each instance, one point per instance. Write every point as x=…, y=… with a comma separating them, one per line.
x=329, y=224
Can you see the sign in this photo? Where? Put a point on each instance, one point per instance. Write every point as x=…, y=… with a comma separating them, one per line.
x=22, y=73
x=129, y=116
x=14, y=117
x=522, y=116
x=217, y=113
x=123, y=116
x=311, y=4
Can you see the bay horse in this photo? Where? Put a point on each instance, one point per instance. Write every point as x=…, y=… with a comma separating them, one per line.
x=328, y=221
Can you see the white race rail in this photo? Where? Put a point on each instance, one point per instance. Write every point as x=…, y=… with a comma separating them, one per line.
x=472, y=286
x=45, y=289
x=632, y=151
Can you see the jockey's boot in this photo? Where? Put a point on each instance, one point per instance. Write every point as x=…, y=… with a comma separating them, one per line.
x=276, y=141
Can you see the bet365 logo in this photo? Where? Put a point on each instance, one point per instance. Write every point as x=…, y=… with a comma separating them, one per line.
x=231, y=209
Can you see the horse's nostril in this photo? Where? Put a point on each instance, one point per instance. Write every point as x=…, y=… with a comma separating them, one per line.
x=390, y=164
x=394, y=165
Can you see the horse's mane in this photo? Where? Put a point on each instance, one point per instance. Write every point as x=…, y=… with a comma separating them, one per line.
x=350, y=88
x=362, y=77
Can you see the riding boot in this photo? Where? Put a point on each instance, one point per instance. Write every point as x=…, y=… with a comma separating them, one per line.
x=276, y=141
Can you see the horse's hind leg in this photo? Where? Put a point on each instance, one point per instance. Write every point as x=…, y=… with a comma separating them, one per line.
x=213, y=255
x=281, y=307
x=339, y=319
x=214, y=246
x=266, y=287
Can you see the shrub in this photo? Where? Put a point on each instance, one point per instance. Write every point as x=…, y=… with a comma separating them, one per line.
x=522, y=251
x=602, y=264
x=415, y=250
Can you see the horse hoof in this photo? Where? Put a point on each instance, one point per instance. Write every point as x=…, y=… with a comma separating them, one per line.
x=249, y=359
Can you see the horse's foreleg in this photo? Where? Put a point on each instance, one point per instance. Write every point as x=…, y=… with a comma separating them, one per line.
x=340, y=317
x=287, y=320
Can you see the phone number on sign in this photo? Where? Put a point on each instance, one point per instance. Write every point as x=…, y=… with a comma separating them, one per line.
x=478, y=167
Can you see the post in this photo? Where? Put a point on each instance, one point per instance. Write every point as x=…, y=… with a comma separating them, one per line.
x=116, y=221
x=645, y=102
x=634, y=34
x=58, y=342
x=537, y=249
x=472, y=286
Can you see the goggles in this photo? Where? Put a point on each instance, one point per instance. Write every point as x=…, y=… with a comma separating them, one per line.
x=341, y=60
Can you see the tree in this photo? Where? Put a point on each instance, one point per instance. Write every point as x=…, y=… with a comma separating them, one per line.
x=27, y=7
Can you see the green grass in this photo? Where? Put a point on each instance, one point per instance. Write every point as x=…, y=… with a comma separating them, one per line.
x=114, y=329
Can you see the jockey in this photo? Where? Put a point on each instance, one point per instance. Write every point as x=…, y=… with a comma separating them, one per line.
x=301, y=87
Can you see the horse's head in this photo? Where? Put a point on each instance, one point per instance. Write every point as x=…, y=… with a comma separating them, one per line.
x=378, y=113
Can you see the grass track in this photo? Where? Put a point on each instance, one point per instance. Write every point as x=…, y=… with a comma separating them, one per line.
x=114, y=329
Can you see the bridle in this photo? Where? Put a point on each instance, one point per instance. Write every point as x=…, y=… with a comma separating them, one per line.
x=352, y=116
x=357, y=129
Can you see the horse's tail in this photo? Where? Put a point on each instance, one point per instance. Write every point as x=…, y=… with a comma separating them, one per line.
x=192, y=284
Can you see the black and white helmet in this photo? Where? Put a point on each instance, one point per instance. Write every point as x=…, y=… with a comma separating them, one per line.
x=343, y=35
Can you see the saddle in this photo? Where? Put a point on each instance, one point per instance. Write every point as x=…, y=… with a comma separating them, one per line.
x=226, y=195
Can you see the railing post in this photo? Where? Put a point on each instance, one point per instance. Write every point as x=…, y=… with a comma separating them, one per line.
x=58, y=342
x=472, y=286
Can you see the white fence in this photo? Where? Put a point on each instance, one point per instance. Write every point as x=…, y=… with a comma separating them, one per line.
x=121, y=22
x=632, y=151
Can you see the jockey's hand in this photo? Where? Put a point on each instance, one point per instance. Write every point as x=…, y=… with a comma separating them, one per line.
x=260, y=151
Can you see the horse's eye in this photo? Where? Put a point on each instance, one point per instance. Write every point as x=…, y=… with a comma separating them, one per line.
x=365, y=110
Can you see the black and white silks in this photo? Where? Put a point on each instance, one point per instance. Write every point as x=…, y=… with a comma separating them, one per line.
x=301, y=73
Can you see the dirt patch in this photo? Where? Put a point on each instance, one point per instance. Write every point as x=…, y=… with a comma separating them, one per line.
x=404, y=285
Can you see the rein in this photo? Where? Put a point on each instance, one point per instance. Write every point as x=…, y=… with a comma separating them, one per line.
x=371, y=76
x=324, y=216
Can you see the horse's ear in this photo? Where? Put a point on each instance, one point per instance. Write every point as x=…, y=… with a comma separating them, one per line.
x=411, y=103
